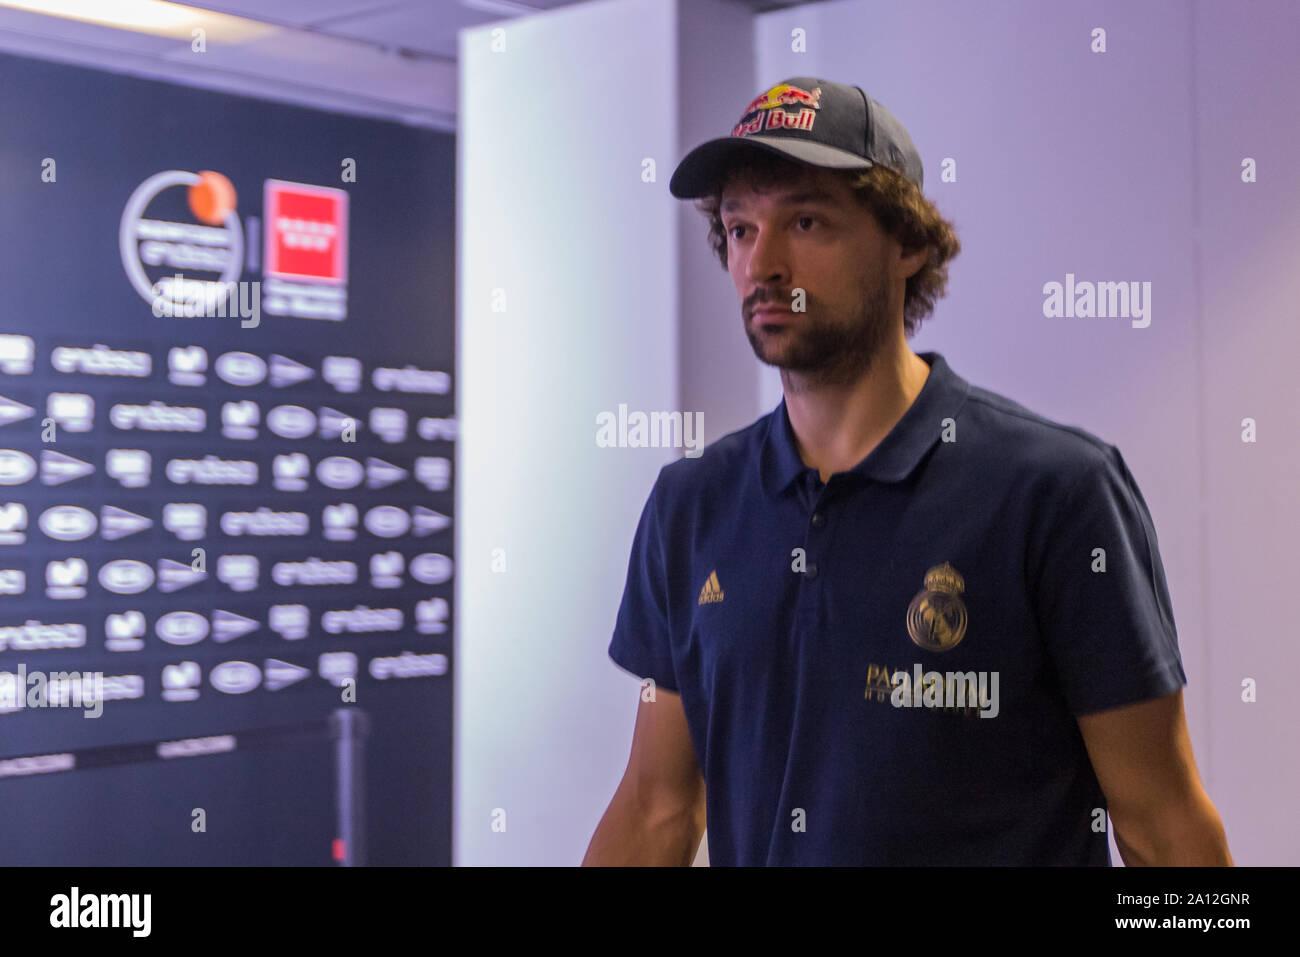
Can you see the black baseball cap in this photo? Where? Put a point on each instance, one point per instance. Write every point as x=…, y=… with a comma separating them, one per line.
x=809, y=120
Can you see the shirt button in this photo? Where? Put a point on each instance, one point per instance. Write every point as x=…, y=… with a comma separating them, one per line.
x=818, y=520
x=812, y=570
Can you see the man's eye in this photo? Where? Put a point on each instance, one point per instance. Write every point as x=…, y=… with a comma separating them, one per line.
x=809, y=219
x=731, y=231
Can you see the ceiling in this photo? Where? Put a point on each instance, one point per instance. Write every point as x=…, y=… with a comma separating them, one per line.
x=389, y=58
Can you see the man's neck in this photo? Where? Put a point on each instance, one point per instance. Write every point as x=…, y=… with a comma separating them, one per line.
x=836, y=427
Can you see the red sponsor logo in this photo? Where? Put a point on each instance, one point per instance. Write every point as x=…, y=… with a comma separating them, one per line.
x=776, y=120
x=768, y=110
x=306, y=232
x=783, y=94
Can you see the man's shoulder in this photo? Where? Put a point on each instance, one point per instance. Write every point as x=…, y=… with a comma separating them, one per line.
x=1020, y=440
x=718, y=465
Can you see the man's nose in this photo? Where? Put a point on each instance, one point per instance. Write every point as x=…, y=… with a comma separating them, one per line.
x=768, y=260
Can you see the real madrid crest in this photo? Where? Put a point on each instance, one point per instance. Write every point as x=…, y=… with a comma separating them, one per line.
x=936, y=619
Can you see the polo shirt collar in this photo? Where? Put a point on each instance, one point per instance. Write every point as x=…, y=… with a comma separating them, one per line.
x=942, y=395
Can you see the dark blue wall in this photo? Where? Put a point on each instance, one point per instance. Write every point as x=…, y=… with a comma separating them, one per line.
x=63, y=283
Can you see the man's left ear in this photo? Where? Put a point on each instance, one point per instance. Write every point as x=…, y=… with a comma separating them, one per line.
x=914, y=258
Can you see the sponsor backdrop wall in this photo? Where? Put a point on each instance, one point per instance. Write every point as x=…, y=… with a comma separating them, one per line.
x=242, y=519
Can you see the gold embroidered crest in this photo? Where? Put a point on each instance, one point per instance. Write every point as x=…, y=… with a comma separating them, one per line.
x=936, y=618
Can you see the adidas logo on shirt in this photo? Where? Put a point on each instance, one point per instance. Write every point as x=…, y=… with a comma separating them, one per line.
x=712, y=591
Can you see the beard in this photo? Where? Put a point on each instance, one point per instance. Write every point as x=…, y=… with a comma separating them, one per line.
x=826, y=350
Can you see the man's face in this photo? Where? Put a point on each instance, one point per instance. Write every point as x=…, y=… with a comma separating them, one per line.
x=812, y=234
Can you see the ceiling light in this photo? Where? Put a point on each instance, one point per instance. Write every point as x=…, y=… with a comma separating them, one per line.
x=157, y=17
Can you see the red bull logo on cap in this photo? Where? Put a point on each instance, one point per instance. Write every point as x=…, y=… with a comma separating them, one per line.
x=770, y=113
x=783, y=94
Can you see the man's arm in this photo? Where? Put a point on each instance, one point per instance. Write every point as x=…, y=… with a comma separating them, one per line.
x=1142, y=756
x=657, y=813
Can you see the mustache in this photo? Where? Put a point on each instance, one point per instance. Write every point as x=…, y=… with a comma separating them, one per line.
x=765, y=298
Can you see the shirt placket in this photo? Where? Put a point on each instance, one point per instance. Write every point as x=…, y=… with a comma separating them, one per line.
x=815, y=497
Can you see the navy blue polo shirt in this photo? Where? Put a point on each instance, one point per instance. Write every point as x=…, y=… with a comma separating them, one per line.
x=887, y=668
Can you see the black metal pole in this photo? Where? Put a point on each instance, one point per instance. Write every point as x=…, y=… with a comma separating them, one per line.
x=349, y=727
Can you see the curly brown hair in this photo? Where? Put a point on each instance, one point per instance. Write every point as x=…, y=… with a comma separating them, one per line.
x=896, y=203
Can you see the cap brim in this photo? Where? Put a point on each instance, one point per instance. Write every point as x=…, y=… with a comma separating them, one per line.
x=699, y=172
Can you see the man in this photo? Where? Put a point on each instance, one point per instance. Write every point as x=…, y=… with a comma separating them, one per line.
x=900, y=619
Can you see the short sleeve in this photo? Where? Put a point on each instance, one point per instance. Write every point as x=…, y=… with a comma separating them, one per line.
x=1110, y=634
x=642, y=640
